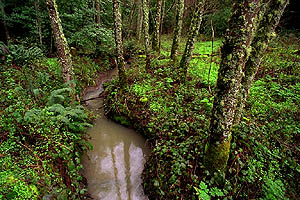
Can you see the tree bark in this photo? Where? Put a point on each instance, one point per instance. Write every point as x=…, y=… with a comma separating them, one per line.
x=38, y=21
x=265, y=33
x=189, y=47
x=119, y=43
x=235, y=53
x=146, y=31
x=140, y=20
x=98, y=19
x=4, y=22
x=61, y=43
x=155, y=41
x=178, y=28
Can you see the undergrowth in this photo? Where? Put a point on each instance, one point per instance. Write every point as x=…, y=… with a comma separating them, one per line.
x=264, y=158
x=42, y=132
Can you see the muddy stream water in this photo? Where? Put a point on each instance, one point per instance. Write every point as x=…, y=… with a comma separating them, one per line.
x=113, y=168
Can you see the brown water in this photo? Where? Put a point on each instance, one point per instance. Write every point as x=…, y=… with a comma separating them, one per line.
x=113, y=168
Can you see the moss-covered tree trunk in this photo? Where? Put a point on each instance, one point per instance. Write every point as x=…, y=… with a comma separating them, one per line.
x=38, y=21
x=4, y=21
x=139, y=26
x=146, y=31
x=235, y=53
x=156, y=35
x=119, y=43
x=189, y=47
x=61, y=42
x=98, y=19
x=271, y=15
x=178, y=28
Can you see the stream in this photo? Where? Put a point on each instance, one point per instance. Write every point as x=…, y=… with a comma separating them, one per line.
x=113, y=168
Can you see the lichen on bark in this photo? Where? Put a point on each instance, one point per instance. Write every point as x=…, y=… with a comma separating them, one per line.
x=269, y=17
x=189, y=47
x=61, y=43
x=177, y=29
x=145, y=4
x=155, y=41
x=119, y=43
x=235, y=52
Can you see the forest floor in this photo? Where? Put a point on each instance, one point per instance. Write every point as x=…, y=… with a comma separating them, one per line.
x=42, y=131
x=265, y=153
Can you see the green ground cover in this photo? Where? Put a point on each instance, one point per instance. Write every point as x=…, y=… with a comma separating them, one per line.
x=42, y=132
x=264, y=159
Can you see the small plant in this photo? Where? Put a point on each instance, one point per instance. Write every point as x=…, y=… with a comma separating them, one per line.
x=205, y=193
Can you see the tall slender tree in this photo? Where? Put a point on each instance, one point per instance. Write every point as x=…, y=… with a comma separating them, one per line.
x=145, y=4
x=4, y=21
x=61, y=42
x=189, y=47
x=119, y=43
x=38, y=20
x=98, y=19
x=235, y=53
x=139, y=20
x=156, y=35
x=178, y=28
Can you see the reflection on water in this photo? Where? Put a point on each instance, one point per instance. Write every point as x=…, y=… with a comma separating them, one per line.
x=113, y=168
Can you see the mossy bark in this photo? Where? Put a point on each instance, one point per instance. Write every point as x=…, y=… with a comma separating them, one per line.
x=189, y=47
x=119, y=43
x=235, y=52
x=4, y=22
x=270, y=15
x=139, y=20
x=178, y=28
x=156, y=35
x=61, y=43
x=146, y=31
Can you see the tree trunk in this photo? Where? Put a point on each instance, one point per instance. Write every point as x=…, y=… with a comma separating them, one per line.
x=140, y=20
x=119, y=43
x=4, y=22
x=146, y=31
x=235, y=53
x=155, y=41
x=265, y=34
x=178, y=28
x=162, y=21
x=98, y=20
x=189, y=47
x=38, y=21
x=61, y=43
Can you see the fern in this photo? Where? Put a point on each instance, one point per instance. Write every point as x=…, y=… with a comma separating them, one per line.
x=58, y=96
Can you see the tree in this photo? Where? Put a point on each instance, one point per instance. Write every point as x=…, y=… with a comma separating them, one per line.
x=4, y=21
x=265, y=33
x=139, y=20
x=61, y=42
x=38, y=20
x=98, y=21
x=145, y=4
x=189, y=47
x=119, y=43
x=243, y=26
x=156, y=35
x=178, y=28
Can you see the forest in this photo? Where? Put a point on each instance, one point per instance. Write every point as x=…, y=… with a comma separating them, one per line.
x=204, y=97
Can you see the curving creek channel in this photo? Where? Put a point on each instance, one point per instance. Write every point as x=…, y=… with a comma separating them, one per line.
x=113, y=168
